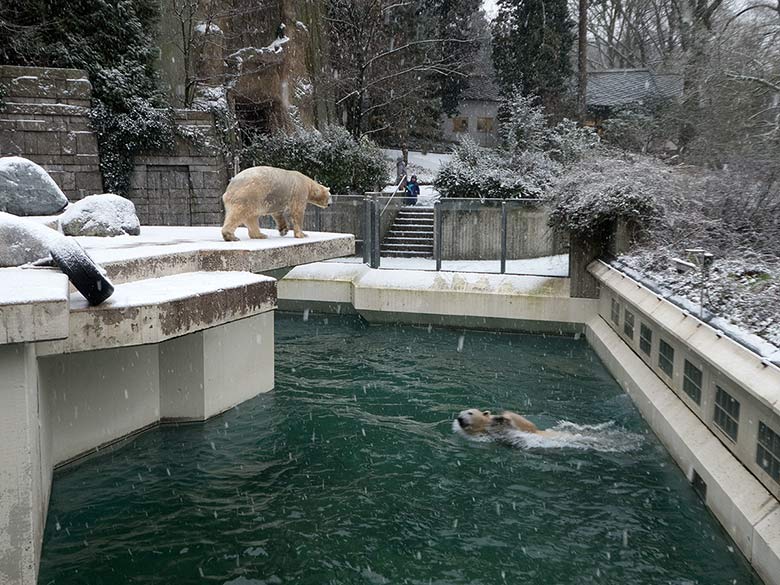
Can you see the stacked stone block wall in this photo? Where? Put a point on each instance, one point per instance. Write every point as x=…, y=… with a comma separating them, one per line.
x=44, y=117
x=183, y=187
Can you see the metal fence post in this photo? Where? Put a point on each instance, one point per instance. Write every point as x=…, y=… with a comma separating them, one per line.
x=503, y=237
x=318, y=219
x=437, y=234
x=367, y=215
x=375, y=234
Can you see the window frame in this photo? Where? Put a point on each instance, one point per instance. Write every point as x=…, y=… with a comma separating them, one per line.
x=664, y=359
x=615, y=311
x=721, y=415
x=772, y=450
x=696, y=396
x=626, y=320
x=648, y=340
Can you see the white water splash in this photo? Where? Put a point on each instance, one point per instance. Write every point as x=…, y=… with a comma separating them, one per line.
x=605, y=437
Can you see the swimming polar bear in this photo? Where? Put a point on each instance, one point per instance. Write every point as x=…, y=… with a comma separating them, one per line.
x=259, y=191
x=482, y=422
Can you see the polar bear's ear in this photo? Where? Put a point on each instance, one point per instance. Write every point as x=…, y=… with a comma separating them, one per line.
x=486, y=412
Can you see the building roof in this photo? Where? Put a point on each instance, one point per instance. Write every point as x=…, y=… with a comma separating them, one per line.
x=618, y=87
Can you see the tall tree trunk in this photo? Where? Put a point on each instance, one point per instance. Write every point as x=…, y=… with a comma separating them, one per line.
x=582, y=61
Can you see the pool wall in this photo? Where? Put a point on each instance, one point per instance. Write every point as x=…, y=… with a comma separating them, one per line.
x=735, y=487
x=188, y=333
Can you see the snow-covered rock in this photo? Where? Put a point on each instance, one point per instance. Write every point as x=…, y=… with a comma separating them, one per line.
x=101, y=215
x=27, y=189
x=23, y=240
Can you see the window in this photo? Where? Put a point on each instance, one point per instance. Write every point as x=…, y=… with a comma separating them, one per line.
x=615, y=312
x=692, y=382
x=485, y=125
x=666, y=358
x=726, y=413
x=768, y=451
x=628, y=324
x=460, y=124
x=645, y=339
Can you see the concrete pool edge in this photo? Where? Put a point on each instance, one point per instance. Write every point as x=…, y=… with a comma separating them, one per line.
x=745, y=507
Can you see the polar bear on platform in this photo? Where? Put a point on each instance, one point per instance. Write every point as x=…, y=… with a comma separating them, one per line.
x=259, y=191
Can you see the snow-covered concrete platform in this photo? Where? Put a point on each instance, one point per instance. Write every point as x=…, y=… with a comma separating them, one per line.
x=162, y=251
x=187, y=334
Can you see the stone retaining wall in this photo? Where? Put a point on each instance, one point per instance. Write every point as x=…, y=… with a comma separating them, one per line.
x=44, y=117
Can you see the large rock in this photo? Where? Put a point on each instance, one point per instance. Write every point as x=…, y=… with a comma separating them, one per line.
x=101, y=215
x=27, y=189
x=24, y=240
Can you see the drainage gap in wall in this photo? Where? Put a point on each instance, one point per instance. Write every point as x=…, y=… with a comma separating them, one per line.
x=699, y=486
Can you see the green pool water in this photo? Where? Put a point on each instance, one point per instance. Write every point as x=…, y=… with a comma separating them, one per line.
x=349, y=472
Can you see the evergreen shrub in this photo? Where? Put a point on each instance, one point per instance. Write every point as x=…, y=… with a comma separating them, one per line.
x=331, y=157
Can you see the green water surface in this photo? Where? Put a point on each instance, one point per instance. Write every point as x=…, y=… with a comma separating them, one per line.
x=349, y=473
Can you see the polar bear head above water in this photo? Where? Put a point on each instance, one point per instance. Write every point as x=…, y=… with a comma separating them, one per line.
x=478, y=422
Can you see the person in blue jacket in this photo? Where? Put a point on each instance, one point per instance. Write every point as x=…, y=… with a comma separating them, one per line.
x=412, y=191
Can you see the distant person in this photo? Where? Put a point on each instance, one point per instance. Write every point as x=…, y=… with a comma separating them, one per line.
x=400, y=173
x=412, y=191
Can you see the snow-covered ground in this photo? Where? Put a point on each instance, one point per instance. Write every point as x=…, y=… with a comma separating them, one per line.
x=544, y=266
x=741, y=293
x=425, y=166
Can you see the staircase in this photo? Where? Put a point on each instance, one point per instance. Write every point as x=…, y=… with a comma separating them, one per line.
x=411, y=235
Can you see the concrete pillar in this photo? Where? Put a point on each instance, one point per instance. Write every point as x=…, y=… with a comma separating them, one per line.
x=583, y=251
x=97, y=397
x=24, y=489
x=205, y=373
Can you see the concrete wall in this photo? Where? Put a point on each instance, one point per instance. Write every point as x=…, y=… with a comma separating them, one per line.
x=45, y=118
x=471, y=110
x=476, y=235
x=346, y=216
x=184, y=187
x=721, y=362
x=24, y=491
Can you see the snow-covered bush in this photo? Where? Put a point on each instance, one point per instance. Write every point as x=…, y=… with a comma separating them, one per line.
x=332, y=157
x=479, y=173
x=567, y=141
x=123, y=133
x=532, y=157
x=601, y=190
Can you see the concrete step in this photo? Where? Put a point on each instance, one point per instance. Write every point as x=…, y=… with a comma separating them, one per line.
x=406, y=240
x=407, y=248
x=408, y=223
x=425, y=214
x=419, y=229
x=406, y=254
x=410, y=234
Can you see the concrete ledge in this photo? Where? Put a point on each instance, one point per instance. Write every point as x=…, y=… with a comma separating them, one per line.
x=33, y=305
x=745, y=508
x=151, y=311
x=529, y=303
x=164, y=251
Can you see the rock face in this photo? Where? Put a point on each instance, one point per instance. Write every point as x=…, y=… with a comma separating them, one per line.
x=27, y=189
x=23, y=240
x=101, y=215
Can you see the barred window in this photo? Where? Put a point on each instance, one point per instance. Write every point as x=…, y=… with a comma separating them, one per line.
x=628, y=324
x=692, y=382
x=615, y=312
x=726, y=413
x=645, y=338
x=768, y=451
x=460, y=124
x=666, y=358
